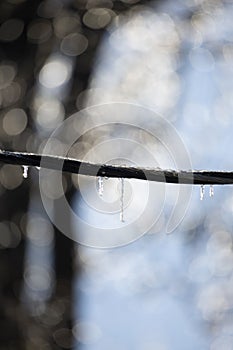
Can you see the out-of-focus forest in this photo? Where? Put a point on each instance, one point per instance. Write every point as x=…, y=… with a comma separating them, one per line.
x=162, y=291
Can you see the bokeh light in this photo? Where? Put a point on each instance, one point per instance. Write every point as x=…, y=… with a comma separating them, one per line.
x=7, y=74
x=10, y=235
x=55, y=73
x=50, y=114
x=11, y=176
x=39, y=231
x=97, y=18
x=74, y=44
x=49, y=8
x=15, y=121
x=66, y=24
x=38, y=278
x=11, y=29
x=11, y=94
x=39, y=31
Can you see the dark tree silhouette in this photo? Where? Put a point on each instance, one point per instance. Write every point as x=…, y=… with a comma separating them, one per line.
x=29, y=57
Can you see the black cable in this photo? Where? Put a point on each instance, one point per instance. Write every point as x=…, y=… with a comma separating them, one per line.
x=202, y=177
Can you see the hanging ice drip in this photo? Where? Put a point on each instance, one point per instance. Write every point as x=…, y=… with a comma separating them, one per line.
x=122, y=189
x=100, y=186
x=202, y=192
x=25, y=171
x=211, y=191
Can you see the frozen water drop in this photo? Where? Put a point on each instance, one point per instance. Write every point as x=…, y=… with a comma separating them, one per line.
x=211, y=190
x=202, y=192
x=25, y=171
x=122, y=199
x=100, y=186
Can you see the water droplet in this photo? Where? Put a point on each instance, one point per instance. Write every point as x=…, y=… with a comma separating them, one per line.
x=202, y=192
x=38, y=167
x=211, y=190
x=122, y=199
x=100, y=186
x=25, y=171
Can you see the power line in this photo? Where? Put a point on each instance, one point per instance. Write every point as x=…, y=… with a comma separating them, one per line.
x=200, y=177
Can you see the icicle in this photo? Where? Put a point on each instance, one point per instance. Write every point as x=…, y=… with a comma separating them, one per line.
x=122, y=200
x=202, y=192
x=211, y=190
x=25, y=171
x=100, y=186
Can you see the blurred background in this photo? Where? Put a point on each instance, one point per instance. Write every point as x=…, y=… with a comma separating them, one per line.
x=162, y=291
